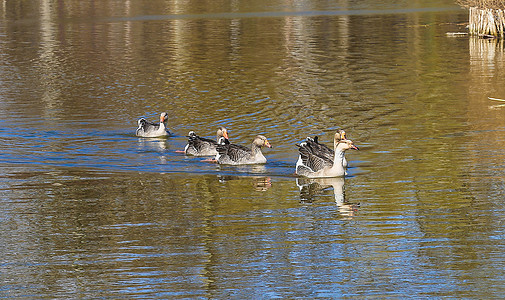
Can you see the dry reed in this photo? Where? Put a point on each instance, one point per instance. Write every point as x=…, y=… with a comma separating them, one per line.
x=486, y=17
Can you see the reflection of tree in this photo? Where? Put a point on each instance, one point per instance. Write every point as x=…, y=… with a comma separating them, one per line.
x=486, y=117
x=472, y=177
x=487, y=70
x=107, y=226
x=310, y=188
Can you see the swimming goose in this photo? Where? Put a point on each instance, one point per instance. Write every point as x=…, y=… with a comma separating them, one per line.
x=324, y=150
x=231, y=154
x=313, y=163
x=149, y=129
x=199, y=146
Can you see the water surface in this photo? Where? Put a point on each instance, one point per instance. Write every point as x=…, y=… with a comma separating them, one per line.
x=88, y=210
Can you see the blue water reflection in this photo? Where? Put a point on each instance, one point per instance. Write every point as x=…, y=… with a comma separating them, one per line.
x=89, y=210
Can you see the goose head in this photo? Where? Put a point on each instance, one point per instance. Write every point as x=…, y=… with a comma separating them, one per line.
x=222, y=132
x=344, y=145
x=261, y=141
x=163, y=117
x=341, y=133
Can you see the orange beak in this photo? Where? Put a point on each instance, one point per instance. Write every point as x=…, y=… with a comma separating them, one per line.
x=354, y=147
x=268, y=144
x=225, y=134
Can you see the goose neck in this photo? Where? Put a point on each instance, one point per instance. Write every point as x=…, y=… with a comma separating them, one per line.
x=337, y=162
x=255, y=149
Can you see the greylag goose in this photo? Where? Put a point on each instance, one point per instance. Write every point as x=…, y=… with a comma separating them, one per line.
x=313, y=163
x=149, y=129
x=231, y=154
x=199, y=146
x=324, y=150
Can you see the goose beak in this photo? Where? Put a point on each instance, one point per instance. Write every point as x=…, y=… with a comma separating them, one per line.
x=225, y=134
x=268, y=144
x=354, y=147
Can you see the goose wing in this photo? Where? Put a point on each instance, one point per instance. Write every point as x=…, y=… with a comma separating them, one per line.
x=320, y=149
x=234, y=152
x=311, y=159
x=147, y=126
x=200, y=143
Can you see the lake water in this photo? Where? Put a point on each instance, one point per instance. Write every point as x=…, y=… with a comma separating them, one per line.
x=88, y=210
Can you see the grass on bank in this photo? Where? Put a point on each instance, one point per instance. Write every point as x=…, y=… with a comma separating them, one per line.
x=483, y=4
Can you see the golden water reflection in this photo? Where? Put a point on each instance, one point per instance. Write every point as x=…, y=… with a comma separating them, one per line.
x=91, y=210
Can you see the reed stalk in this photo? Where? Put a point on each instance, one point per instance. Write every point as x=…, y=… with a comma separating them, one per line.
x=486, y=17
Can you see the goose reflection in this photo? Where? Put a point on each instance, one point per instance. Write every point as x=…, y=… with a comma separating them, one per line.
x=154, y=144
x=245, y=169
x=260, y=183
x=310, y=187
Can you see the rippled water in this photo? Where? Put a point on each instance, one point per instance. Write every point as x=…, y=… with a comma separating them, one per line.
x=88, y=210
